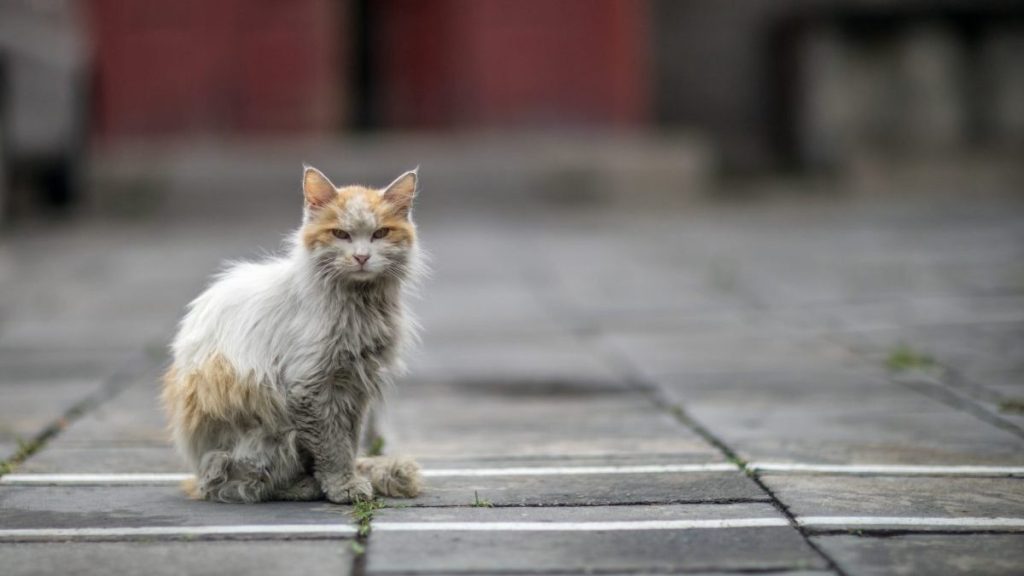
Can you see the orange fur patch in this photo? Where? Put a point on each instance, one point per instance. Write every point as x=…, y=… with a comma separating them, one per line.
x=217, y=392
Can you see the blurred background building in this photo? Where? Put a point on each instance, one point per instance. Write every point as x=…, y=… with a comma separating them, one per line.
x=763, y=85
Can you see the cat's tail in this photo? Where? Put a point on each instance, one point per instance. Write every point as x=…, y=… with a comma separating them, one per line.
x=394, y=476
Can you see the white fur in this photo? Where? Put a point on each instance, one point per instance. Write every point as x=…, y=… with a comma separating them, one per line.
x=269, y=319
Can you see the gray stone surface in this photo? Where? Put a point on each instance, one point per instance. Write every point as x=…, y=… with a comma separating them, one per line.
x=133, y=418
x=29, y=406
x=484, y=307
x=537, y=358
x=531, y=418
x=578, y=513
x=133, y=506
x=588, y=489
x=768, y=322
x=658, y=551
x=857, y=416
x=658, y=354
x=108, y=459
x=933, y=554
x=627, y=459
x=778, y=548
x=928, y=496
x=244, y=558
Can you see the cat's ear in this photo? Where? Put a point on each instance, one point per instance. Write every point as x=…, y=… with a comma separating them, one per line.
x=401, y=192
x=317, y=189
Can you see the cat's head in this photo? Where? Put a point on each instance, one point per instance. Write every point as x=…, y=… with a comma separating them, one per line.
x=359, y=234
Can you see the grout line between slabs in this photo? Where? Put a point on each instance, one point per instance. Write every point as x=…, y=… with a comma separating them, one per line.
x=118, y=380
x=660, y=401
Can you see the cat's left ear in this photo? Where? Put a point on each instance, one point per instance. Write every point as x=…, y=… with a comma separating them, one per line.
x=316, y=188
x=401, y=192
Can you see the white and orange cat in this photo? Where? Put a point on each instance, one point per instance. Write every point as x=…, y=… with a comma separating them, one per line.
x=276, y=363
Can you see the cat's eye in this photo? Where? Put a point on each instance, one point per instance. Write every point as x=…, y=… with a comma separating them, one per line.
x=380, y=233
x=341, y=234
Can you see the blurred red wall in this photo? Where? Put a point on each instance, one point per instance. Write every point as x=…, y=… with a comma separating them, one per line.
x=512, y=62
x=216, y=66
x=288, y=66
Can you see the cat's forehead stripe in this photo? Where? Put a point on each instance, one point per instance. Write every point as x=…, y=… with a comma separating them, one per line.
x=356, y=207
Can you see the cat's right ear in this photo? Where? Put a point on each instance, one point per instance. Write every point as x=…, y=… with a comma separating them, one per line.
x=316, y=188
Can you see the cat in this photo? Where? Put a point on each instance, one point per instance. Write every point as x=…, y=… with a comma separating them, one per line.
x=276, y=364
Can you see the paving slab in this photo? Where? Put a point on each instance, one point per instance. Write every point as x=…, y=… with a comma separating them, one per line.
x=39, y=386
x=39, y=507
x=525, y=418
x=579, y=267
x=29, y=406
x=479, y=308
x=991, y=346
x=588, y=489
x=63, y=459
x=20, y=364
x=537, y=358
x=904, y=497
x=563, y=461
x=131, y=418
x=662, y=550
x=119, y=332
x=850, y=416
x=933, y=554
x=892, y=313
x=177, y=558
x=666, y=353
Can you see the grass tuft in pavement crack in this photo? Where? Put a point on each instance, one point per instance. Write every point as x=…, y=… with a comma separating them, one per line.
x=376, y=447
x=903, y=358
x=1012, y=406
x=26, y=448
x=363, y=512
x=479, y=502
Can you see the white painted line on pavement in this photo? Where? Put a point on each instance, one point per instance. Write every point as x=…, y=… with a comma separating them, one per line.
x=144, y=478
x=578, y=526
x=841, y=522
x=888, y=469
x=573, y=470
x=50, y=479
x=178, y=531
x=932, y=522
x=851, y=469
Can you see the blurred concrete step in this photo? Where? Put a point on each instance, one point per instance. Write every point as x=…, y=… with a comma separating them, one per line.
x=232, y=178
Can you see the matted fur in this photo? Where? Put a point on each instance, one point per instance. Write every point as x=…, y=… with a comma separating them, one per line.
x=276, y=363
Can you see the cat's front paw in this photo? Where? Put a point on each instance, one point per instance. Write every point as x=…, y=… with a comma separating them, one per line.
x=348, y=490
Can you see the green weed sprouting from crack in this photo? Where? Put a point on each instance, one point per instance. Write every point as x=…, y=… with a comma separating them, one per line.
x=1012, y=406
x=26, y=448
x=742, y=465
x=903, y=358
x=358, y=548
x=481, y=503
x=376, y=446
x=362, y=512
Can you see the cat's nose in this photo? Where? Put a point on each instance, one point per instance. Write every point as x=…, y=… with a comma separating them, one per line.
x=361, y=259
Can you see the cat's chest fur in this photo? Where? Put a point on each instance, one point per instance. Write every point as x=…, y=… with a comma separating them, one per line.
x=359, y=329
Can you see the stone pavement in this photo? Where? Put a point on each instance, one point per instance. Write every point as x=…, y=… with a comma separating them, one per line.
x=826, y=388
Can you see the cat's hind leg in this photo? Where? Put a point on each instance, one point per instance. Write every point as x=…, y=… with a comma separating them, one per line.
x=213, y=473
x=254, y=470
